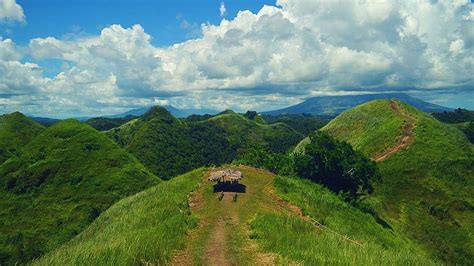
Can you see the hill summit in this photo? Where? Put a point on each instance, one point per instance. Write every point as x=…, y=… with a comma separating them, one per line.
x=58, y=183
x=427, y=176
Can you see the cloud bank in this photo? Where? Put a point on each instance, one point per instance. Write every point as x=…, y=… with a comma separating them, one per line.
x=273, y=58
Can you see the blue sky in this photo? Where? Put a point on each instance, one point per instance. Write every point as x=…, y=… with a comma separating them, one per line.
x=68, y=58
x=167, y=21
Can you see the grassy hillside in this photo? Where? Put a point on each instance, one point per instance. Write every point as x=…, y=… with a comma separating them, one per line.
x=143, y=229
x=341, y=235
x=243, y=133
x=169, y=146
x=16, y=130
x=426, y=190
x=59, y=183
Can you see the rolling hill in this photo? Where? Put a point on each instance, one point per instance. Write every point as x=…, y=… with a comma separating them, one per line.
x=334, y=105
x=188, y=225
x=427, y=175
x=58, y=183
x=16, y=130
x=169, y=146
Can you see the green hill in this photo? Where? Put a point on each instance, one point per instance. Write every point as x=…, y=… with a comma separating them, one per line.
x=57, y=184
x=142, y=229
x=166, y=224
x=16, y=130
x=243, y=133
x=169, y=146
x=427, y=174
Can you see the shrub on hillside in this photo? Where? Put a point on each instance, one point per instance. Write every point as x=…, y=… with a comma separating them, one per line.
x=335, y=165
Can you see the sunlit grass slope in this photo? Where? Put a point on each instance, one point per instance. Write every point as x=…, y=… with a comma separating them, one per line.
x=16, y=130
x=298, y=240
x=426, y=190
x=59, y=183
x=143, y=229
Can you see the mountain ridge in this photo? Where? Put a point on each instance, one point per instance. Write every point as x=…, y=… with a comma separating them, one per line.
x=334, y=105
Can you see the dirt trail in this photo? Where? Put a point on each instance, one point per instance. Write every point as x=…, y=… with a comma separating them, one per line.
x=405, y=139
x=222, y=234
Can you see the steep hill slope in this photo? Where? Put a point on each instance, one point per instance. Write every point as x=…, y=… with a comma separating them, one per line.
x=57, y=184
x=428, y=176
x=333, y=105
x=169, y=146
x=165, y=224
x=16, y=130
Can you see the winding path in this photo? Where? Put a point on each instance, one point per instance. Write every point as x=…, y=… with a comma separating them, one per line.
x=405, y=139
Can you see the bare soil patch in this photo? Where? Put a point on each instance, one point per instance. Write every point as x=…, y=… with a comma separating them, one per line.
x=405, y=139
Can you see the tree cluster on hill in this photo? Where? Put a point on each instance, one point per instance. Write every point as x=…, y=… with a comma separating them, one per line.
x=457, y=116
x=325, y=160
x=105, y=123
x=303, y=123
x=461, y=118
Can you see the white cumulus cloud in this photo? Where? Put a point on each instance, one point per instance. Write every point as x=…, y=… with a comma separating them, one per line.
x=274, y=57
x=10, y=10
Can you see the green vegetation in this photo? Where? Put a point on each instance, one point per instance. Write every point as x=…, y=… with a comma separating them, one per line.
x=58, y=184
x=372, y=135
x=461, y=118
x=142, y=229
x=336, y=165
x=324, y=160
x=169, y=146
x=303, y=123
x=426, y=189
x=345, y=235
x=468, y=129
x=105, y=123
x=244, y=134
x=16, y=130
x=457, y=116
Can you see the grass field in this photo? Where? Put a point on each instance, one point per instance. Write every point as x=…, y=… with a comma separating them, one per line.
x=142, y=229
x=301, y=241
x=165, y=225
x=426, y=189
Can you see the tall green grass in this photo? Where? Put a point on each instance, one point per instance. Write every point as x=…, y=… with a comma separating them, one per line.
x=426, y=189
x=142, y=229
x=301, y=241
x=297, y=240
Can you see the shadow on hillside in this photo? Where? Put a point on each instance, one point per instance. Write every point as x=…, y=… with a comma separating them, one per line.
x=229, y=187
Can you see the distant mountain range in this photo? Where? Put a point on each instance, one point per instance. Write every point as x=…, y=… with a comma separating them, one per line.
x=320, y=105
x=334, y=105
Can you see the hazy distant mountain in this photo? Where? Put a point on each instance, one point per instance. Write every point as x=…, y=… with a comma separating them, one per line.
x=333, y=105
x=176, y=112
x=45, y=121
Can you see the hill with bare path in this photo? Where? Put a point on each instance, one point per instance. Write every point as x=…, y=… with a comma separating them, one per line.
x=427, y=176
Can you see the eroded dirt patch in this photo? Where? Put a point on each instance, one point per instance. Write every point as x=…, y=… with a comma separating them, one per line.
x=405, y=139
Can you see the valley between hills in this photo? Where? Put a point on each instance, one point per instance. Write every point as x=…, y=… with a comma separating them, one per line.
x=380, y=183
